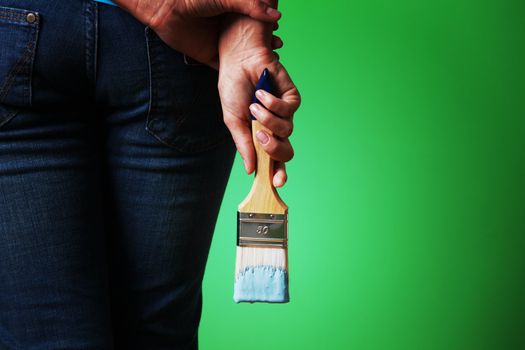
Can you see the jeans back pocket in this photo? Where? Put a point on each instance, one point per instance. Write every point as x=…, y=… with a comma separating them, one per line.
x=185, y=109
x=18, y=39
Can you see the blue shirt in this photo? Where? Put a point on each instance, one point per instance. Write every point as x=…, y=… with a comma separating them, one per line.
x=107, y=2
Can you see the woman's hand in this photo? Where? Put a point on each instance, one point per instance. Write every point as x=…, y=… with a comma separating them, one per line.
x=192, y=26
x=245, y=50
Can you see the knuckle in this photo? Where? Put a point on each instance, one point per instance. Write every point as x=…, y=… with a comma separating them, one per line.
x=271, y=147
x=230, y=122
x=157, y=20
x=290, y=157
x=270, y=103
x=233, y=124
x=297, y=100
x=289, y=111
x=255, y=5
x=290, y=152
x=246, y=143
x=278, y=68
x=288, y=130
x=284, y=131
x=263, y=117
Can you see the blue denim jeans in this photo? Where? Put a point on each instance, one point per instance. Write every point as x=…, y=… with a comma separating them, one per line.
x=113, y=163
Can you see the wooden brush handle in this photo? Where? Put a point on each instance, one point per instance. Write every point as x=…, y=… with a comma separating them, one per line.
x=264, y=171
x=263, y=197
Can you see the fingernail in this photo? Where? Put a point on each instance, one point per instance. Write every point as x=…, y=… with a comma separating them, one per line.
x=270, y=11
x=245, y=165
x=262, y=137
x=259, y=93
x=254, y=108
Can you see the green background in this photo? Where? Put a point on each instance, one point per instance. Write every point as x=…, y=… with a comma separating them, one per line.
x=407, y=190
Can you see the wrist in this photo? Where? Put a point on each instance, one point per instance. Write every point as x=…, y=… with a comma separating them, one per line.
x=243, y=39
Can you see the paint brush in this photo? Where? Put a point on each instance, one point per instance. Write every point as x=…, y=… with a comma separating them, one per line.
x=261, y=268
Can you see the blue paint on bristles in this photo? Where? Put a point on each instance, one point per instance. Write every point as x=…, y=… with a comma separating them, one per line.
x=262, y=283
x=265, y=280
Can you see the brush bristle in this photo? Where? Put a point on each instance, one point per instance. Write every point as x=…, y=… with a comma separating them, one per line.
x=263, y=256
x=261, y=275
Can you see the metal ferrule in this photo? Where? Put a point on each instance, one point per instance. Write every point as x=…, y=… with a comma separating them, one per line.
x=255, y=229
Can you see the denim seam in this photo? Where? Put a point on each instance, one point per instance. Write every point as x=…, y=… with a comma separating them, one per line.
x=7, y=117
x=150, y=102
x=4, y=89
x=15, y=19
x=14, y=16
x=90, y=37
x=150, y=38
x=36, y=35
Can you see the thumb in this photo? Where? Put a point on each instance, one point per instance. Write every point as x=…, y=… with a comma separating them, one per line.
x=240, y=129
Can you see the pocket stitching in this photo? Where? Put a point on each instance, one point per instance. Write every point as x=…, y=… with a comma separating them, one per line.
x=181, y=118
x=7, y=117
x=12, y=13
x=12, y=16
x=16, y=69
x=18, y=17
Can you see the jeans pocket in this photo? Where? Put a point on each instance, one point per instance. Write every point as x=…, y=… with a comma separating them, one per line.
x=18, y=40
x=185, y=109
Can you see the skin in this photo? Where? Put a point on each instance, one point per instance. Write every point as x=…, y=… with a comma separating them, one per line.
x=244, y=50
x=235, y=37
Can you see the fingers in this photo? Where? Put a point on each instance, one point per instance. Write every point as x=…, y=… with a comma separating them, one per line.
x=240, y=130
x=256, y=9
x=277, y=43
x=278, y=149
x=280, y=176
x=277, y=117
x=279, y=126
x=281, y=107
